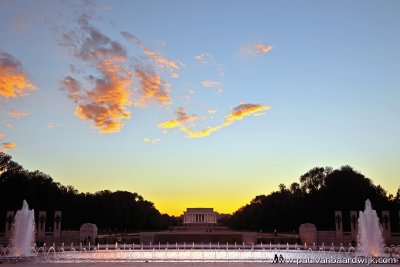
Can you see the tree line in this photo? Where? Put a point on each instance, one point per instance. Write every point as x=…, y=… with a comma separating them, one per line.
x=313, y=199
x=111, y=211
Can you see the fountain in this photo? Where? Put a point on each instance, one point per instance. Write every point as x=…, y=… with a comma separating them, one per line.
x=370, y=232
x=23, y=235
x=369, y=236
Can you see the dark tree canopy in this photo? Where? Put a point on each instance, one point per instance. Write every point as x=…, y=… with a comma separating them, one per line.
x=111, y=211
x=321, y=191
x=314, y=199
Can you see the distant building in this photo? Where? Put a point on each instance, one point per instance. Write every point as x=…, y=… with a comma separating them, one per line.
x=197, y=216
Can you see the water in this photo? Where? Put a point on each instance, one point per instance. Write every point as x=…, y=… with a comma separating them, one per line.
x=369, y=237
x=370, y=232
x=23, y=235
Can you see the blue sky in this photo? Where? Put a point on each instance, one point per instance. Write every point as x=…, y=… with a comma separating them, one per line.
x=330, y=78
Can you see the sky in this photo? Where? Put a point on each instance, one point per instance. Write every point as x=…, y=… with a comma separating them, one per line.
x=200, y=103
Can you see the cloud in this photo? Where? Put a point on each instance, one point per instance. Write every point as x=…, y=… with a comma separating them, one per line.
x=256, y=49
x=13, y=80
x=52, y=125
x=204, y=58
x=93, y=45
x=133, y=39
x=219, y=90
x=7, y=147
x=210, y=83
x=17, y=113
x=182, y=118
x=211, y=111
x=106, y=103
x=8, y=125
x=152, y=88
x=149, y=140
x=73, y=87
x=2, y=135
x=207, y=59
x=237, y=114
x=161, y=43
x=244, y=110
x=107, y=100
x=160, y=61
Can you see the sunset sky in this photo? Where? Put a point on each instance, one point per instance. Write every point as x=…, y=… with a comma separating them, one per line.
x=200, y=103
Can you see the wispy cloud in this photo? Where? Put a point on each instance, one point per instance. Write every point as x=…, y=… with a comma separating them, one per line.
x=2, y=135
x=17, y=113
x=13, y=79
x=204, y=58
x=106, y=104
x=161, y=43
x=211, y=111
x=159, y=60
x=219, y=90
x=237, y=114
x=152, y=88
x=73, y=87
x=256, y=49
x=207, y=59
x=210, y=83
x=244, y=110
x=149, y=140
x=52, y=125
x=107, y=100
x=7, y=147
x=181, y=119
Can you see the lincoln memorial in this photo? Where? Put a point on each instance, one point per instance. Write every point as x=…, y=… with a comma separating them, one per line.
x=199, y=216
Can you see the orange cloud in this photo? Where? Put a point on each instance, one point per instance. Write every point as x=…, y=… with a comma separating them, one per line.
x=106, y=104
x=243, y=110
x=13, y=80
x=202, y=133
x=257, y=49
x=237, y=113
x=152, y=87
x=160, y=61
x=17, y=113
x=210, y=84
x=2, y=135
x=182, y=118
x=7, y=147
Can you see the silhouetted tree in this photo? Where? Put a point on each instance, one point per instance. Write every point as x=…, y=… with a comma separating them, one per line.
x=111, y=211
x=321, y=191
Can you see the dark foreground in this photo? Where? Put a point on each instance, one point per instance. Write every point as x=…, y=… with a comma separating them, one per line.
x=166, y=264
